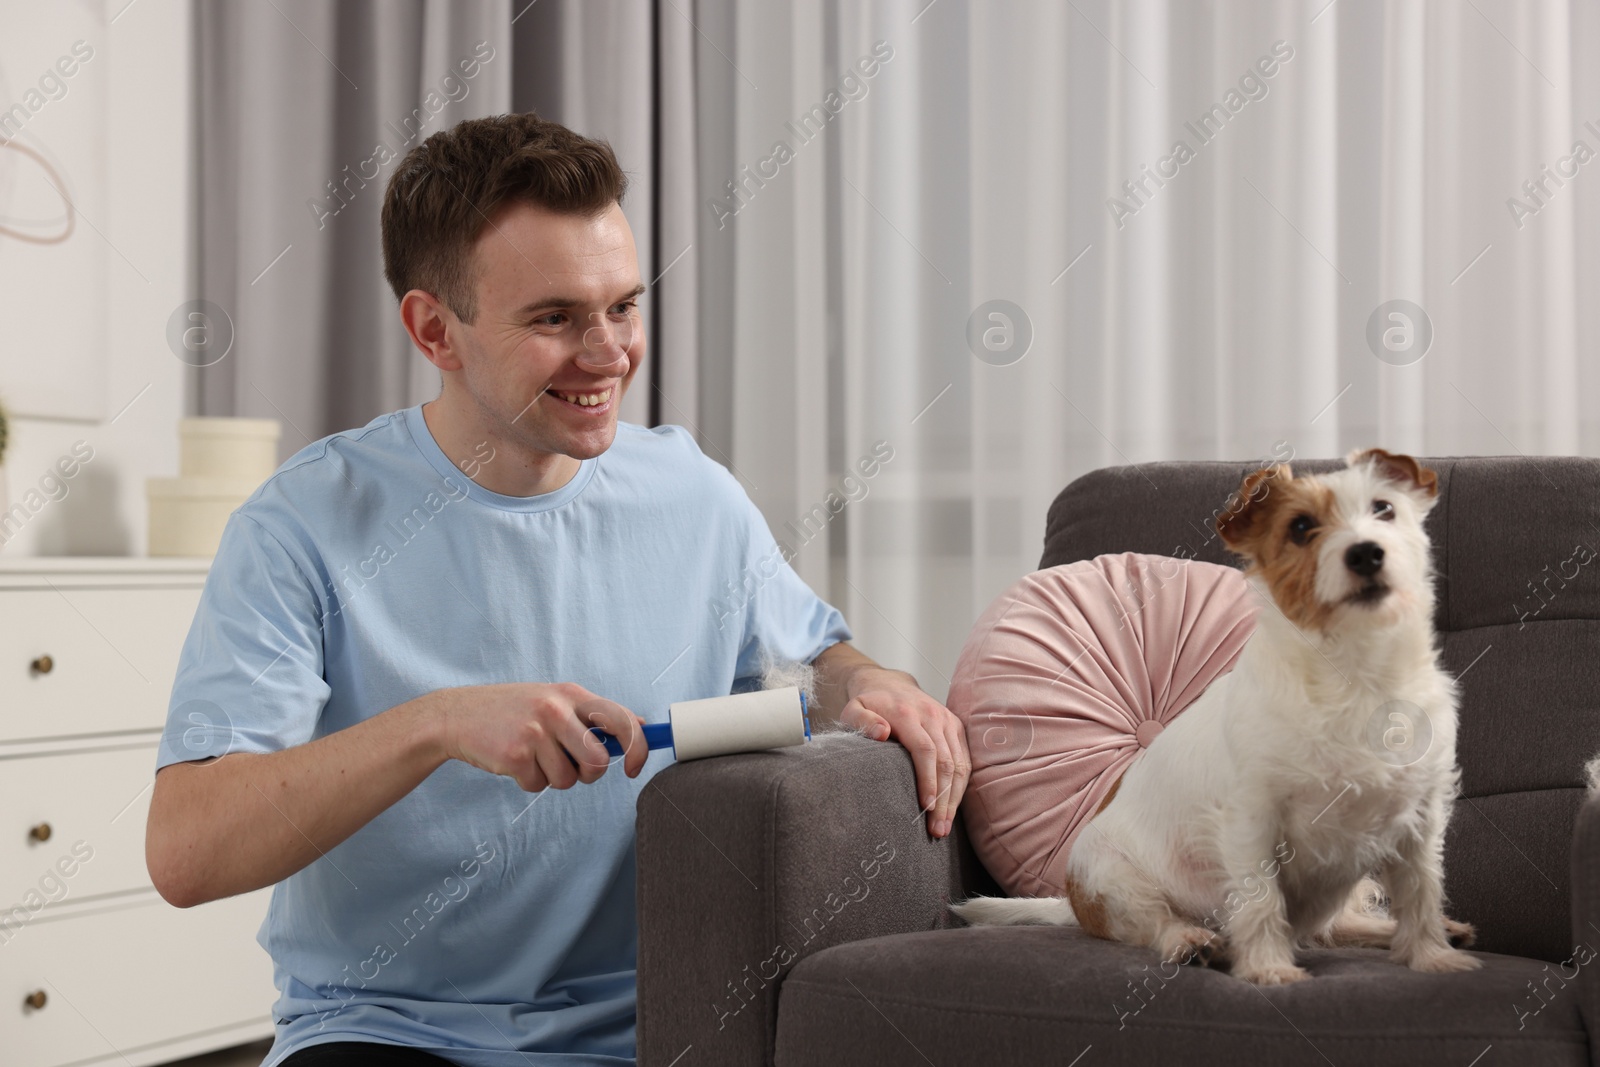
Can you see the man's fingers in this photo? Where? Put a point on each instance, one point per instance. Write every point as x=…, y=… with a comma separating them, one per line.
x=556, y=764
x=925, y=758
x=635, y=750
x=621, y=724
x=871, y=725
x=960, y=768
x=587, y=751
x=947, y=774
x=930, y=755
x=958, y=747
x=532, y=780
x=944, y=808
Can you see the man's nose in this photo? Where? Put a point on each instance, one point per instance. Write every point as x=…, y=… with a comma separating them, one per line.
x=605, y=345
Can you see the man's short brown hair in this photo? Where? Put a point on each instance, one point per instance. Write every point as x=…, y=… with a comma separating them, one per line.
x=447, y=189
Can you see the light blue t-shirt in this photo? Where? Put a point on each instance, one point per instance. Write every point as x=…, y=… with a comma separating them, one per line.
x=472, y=919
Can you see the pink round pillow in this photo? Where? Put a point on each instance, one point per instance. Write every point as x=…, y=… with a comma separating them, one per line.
x=1065, y=679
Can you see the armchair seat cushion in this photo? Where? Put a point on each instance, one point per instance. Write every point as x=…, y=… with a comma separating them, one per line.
x=1042, y=995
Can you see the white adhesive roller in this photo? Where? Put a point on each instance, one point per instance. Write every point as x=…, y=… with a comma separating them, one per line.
x=749, y=722
x=722, y=726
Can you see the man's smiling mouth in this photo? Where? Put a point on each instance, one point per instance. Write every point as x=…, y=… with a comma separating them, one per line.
x=584, y=400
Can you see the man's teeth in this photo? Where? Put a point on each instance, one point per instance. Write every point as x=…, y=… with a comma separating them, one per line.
x=587, y=400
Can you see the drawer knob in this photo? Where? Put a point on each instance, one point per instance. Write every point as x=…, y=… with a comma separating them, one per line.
x=36, y=999
x=43, y=665
x=40, y=833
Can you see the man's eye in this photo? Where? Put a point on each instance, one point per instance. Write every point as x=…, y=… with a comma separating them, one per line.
x=552, y=320
x=1300, y=528
x=627, y=307
x=1383, y=510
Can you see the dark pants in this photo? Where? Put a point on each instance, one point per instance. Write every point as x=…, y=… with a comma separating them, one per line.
x=363, y=1054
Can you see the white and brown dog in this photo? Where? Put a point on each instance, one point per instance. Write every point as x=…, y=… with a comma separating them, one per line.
x=1326, y=755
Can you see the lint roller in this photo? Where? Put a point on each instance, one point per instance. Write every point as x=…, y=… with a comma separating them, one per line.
x=722, y=726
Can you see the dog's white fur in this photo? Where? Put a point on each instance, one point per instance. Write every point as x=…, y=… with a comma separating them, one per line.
x=1264, y=806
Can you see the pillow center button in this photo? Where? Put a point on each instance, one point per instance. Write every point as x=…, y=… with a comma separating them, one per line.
x=1147, y=732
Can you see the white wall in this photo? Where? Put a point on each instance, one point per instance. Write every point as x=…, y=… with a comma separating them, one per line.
x=148, y=158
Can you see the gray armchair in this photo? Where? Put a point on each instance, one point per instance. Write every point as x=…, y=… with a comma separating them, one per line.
x=792, y=908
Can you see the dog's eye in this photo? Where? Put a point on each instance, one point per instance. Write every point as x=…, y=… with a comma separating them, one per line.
x=1300, y=528
x=1383, y=510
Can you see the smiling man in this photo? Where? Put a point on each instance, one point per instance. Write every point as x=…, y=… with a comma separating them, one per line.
x=410, y=627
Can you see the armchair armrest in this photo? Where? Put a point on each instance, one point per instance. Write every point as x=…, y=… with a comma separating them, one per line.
x=749, y=863
x=1586, y=917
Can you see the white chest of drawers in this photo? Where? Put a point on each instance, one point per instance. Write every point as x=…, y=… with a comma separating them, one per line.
x=94, y=966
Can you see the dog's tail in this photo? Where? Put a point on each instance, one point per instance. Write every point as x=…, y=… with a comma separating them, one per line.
x=1016, y=911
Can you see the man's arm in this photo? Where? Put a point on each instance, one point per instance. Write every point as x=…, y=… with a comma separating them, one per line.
x=248, y=820
x=884, y=704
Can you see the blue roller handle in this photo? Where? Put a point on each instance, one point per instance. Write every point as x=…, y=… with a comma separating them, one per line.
x=659, y=734
x=656, y=735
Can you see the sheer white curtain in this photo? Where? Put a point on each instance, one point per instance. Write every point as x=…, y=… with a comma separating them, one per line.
x=1356, y=153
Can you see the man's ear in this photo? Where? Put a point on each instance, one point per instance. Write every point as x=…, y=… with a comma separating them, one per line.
x=1247, y=510
x=427, y=320
x=1421, y=483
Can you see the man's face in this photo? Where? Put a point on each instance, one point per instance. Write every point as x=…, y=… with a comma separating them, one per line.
x=556, y=322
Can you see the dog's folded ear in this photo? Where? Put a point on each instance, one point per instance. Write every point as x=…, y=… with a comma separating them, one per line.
x=1246, y=511
x=1403, y=471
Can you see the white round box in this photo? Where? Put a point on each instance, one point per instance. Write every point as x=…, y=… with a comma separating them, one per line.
x=244, y=449
x=187, y=514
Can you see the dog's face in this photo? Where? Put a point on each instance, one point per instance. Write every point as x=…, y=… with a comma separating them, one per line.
x=1338, y=548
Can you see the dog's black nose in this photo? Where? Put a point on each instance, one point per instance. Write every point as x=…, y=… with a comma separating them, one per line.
x=1365, y=559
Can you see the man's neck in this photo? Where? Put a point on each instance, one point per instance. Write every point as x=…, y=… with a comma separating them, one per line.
x=498, y=464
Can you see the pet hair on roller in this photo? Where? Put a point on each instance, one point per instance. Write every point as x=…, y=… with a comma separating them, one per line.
x=722, y=726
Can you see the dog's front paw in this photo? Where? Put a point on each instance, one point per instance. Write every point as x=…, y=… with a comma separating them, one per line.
x=1460, y=935
x=1273, y=974
x=1442, y=961
x=1192, y=945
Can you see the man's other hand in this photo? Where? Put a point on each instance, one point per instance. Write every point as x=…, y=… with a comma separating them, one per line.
x=886, y=704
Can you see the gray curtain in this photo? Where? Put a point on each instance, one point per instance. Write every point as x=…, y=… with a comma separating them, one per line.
x=619, y=71
x=303, y=109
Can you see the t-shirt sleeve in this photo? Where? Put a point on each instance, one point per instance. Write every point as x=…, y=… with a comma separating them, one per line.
x=785, y=622
x=250, y=677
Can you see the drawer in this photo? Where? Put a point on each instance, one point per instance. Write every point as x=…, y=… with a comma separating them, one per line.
x=112, y=653
x=94, y=804
x=123, y=983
